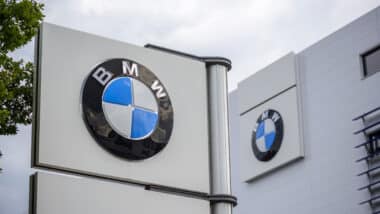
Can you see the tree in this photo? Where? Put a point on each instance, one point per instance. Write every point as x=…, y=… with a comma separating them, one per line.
x=19, y=22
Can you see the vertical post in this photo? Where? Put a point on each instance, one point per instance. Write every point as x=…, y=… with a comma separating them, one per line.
x=1, y=154
x=219, y=135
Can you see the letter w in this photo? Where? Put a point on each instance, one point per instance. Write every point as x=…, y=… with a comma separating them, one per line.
x=158, y=89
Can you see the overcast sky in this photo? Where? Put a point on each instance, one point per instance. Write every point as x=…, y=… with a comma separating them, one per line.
x=251, y=33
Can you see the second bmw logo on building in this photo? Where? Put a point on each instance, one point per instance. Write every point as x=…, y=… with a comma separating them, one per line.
x=127, y=109
x=267, y=135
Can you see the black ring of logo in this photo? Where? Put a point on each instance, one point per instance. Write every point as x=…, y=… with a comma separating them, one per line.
x=101, y=130
x=279, y=126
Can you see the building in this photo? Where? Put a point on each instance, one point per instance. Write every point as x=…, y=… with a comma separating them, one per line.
x=338, y=79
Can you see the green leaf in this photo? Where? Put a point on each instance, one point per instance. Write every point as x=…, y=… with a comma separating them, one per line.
x=19, y=22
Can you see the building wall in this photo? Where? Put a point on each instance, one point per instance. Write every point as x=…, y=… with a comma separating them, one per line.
x=333, y=92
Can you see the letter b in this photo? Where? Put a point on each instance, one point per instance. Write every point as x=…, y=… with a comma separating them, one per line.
x=102, y=76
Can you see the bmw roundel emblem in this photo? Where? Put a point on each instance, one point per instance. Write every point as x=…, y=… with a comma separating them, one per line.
x=267, y=135
x=127, y=109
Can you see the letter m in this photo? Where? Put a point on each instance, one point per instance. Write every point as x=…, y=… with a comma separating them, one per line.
x=130, y=70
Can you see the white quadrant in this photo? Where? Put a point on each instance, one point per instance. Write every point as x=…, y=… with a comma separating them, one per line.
x=260, y=142
x=119, y=117
x=269, y=126
x=143, y=97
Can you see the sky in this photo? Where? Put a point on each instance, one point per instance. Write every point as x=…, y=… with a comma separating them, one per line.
x=250, y=33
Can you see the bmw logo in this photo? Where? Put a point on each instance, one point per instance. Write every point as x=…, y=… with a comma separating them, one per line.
x=267, y=135
x=127, y=109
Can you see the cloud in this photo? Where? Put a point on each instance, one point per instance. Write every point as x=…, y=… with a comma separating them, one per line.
x=14, y=179
x=251, y=33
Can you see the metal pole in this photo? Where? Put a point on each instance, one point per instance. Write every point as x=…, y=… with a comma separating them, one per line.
x=1, y=154
x=219, y=134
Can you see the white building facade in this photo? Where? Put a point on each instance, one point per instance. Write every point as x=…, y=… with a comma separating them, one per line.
x=337, y=79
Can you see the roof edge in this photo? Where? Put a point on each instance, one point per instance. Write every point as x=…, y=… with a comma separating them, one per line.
x=209, y=60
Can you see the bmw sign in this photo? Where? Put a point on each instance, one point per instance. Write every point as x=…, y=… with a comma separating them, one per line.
x=264, y=109
x=119, y=111
x=127, y=109
x=267, y=135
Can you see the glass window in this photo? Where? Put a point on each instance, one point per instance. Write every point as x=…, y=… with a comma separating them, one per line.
x=371, y=61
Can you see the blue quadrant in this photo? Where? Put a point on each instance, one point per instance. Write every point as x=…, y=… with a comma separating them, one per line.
x=260, y=130
x=269, y=139
x=143, y=122
x=119, y=91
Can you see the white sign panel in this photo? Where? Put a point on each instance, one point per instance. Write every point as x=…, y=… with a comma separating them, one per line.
x=60, y=194
x=270, y=119
x=115, y=110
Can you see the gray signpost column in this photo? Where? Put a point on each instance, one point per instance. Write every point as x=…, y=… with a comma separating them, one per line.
x=219, y=136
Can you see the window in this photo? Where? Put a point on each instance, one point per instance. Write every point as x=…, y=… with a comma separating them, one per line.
x=374, y=146
x=371, y=61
